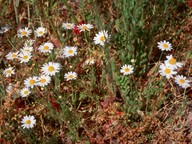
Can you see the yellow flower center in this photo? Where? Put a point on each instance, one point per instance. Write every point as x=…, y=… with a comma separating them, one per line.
x=172, y=61
x=25, y=57
x=23, y=33
x=28, y=122
x=70, y=51
x=102, y=38
x=84, y=27
x=43, y=80
x=68, y=26
x=26, y=92
x=165, y=46
x=40, y=32
x=127, y=69
x=14, y=55
x=167, y=71
x=182, y=81
x=51, y=68
x=32, y=82
x=70, y=76
x=45, y=48
x=90, y=60
x=8, y=71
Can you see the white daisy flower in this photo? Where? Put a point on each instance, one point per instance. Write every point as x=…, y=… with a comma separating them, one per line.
x=27, y=49
x=182, y=81
x=126, y=69
x=172, y=62
x=84, y=27
x=24, y=32
x=166, y=71
x=50, y=68
x=28, y=122
x=43, y=80
x=24, y=57
x=46, y=47
x=8, y=72
x=70, y=76
x=164, y=46
x=101, y=38
x=31, y=82
x=12, y=55
x=70, y=51
x=89, y=61
x=29, y=43
x=68, y=25
x=40, y=31
x=25, y=92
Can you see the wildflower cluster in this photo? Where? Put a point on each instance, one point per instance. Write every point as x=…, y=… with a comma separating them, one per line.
x=51, y=68
x=80, y=27
x=24, y=55
x=170, y=65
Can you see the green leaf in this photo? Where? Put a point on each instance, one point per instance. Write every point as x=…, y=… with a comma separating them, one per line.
x=117, y=23
x=189, y=54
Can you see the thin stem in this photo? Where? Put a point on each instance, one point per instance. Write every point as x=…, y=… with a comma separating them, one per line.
x=173, y=88
x=16, y=4
x=189, y=71
x=52, y=25
x=10, y=42
x=85, y=35
x=28, y=13
x=69, y=8
x=184, y=92
x=160, y=55
x=109, y=68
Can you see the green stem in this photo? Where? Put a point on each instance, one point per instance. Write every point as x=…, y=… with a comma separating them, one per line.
x=10, y=42
x=109, y=68
x=173, y=88
x=52, y=25
x=69, y=8
x=85, y=35
x=16, y=4
x=28, y=13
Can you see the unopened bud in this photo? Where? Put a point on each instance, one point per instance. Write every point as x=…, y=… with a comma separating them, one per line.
x=132, y=61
